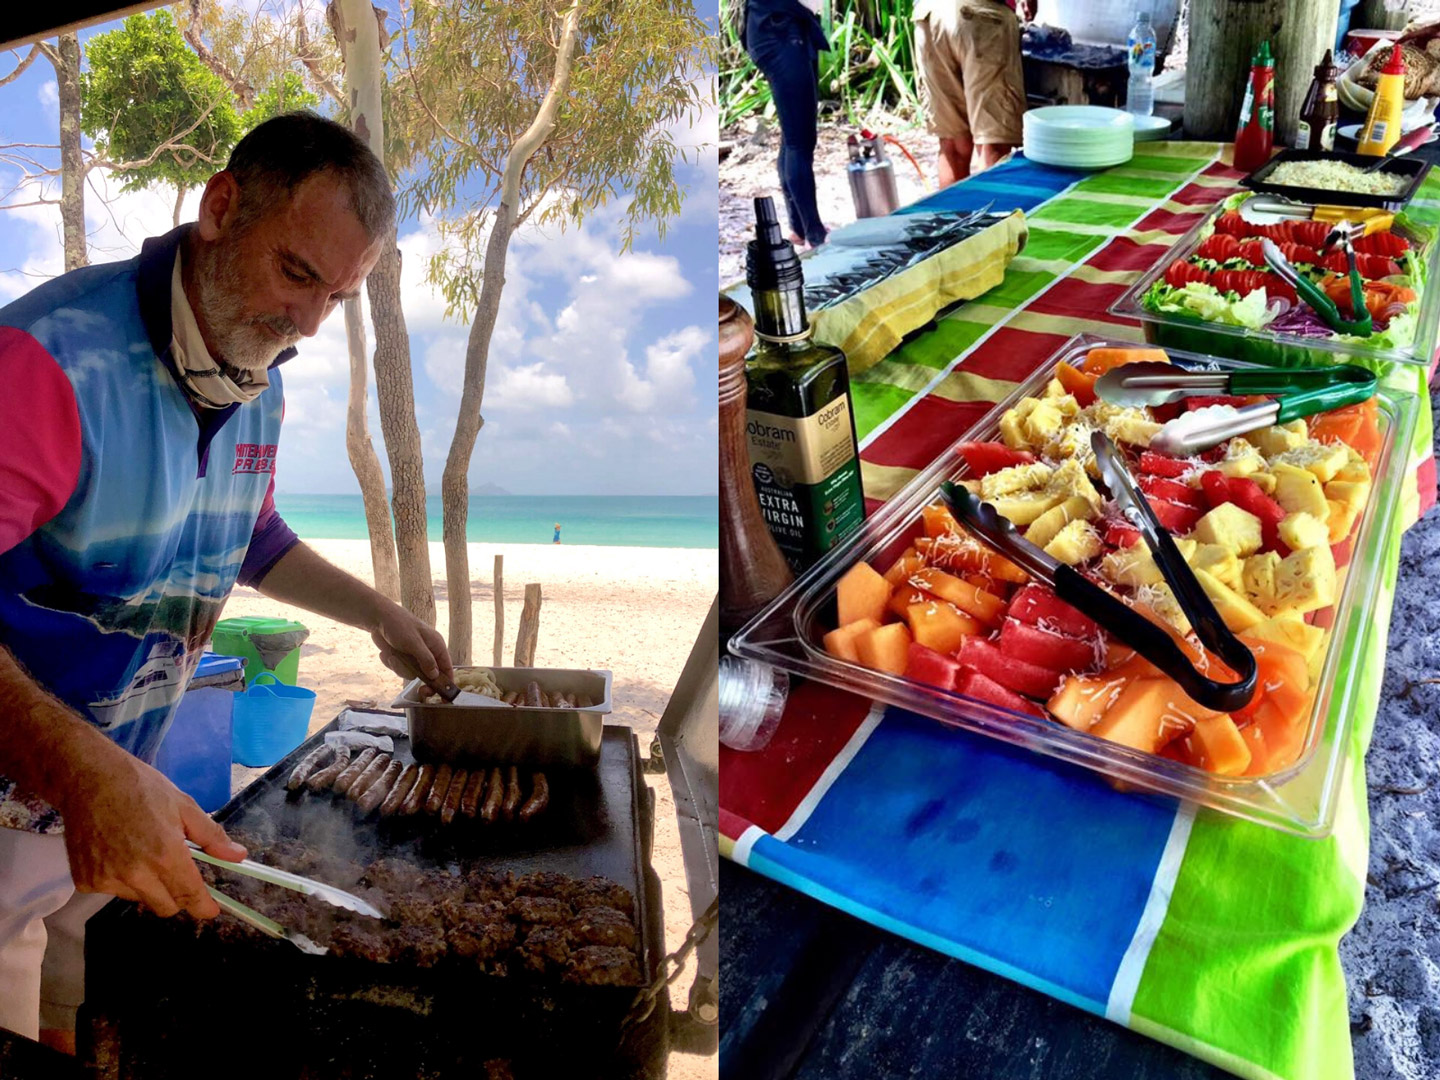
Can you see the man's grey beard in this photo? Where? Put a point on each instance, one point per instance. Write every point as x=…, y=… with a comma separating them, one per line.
x=240, y=341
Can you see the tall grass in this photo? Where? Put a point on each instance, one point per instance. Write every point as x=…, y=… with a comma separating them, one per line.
x=871, y=62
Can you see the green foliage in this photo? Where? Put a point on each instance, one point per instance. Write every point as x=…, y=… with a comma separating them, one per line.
x=286, y=93
x=472, y=80
x=145, y=90
x=871, y=62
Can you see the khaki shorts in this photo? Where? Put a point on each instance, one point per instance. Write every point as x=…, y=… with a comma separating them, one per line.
x=970, y=77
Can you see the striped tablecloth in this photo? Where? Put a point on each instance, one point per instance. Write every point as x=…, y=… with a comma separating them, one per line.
x=1213, y=935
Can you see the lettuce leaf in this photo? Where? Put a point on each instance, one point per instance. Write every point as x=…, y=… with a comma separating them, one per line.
x=1208, y=303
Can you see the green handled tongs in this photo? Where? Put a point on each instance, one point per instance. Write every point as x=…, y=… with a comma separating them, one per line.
x=1302, y=392
x=1312, y=294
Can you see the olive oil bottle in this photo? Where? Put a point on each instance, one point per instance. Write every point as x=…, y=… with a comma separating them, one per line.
x=799, y=423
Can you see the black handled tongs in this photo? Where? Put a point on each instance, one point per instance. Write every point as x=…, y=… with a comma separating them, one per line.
x=1128, y=625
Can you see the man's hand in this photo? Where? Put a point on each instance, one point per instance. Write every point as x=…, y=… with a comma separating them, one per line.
x=399, y=631
x=125, y=832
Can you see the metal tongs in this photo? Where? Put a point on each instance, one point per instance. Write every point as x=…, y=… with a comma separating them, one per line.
x=1312, y=294
x=1114, y=615
x=1304, y=392
x=308, y=886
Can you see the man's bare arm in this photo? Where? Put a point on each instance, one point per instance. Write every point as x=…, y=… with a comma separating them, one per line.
x=301, y=577
x=125, y=823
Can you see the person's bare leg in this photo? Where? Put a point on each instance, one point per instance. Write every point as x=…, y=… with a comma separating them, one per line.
x=991, y=154
x=954, y=160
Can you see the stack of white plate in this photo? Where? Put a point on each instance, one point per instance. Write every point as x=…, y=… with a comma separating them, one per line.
x=1079, y=136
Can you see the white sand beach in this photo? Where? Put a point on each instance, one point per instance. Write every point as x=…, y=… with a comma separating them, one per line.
x=634, y=611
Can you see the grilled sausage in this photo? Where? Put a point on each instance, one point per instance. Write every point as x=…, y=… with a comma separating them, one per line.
x=584, y=702
x=539, y=799
x=398, y=790
x=418, y=794
x=470, y=800
x=379, y=791
x=512, y=795
x=511, y=697
x=532, y=694
x=321, y=781
x=353, y=770
x=451, y=806
x=494, y=795
x=311, y=762
x=376, y=769
x=437, y=792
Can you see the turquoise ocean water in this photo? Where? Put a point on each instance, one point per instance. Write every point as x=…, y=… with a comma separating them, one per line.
x=609, y=521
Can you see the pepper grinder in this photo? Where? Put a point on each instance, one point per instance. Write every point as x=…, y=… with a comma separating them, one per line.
x=752, y=570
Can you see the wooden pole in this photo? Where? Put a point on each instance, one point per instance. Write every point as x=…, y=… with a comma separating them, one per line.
x=529, y=628
x=1224, y=36
x=499, y=610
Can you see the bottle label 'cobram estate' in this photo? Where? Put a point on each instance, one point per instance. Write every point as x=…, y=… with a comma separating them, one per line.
x=807, y=477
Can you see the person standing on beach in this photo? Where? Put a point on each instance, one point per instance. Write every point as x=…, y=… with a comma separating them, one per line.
x=557, y=533
x=967, y=54
x=784, y=39
x=138, y=439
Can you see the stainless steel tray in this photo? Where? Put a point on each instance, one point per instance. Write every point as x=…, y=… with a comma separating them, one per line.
x=478, y=734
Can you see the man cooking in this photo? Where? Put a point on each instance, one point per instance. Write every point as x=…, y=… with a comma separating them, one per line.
x=138, y=433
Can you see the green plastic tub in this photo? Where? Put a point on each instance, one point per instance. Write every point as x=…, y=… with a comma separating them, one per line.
x=264, y=644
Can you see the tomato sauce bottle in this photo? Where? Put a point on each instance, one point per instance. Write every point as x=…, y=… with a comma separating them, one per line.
x=1256, y=136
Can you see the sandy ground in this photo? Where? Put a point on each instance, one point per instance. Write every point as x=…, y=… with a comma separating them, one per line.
x=635, y=611
x=749, y=172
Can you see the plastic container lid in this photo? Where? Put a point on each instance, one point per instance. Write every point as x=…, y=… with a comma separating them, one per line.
x=752, y=700
x=212, y=664
x=257, y=624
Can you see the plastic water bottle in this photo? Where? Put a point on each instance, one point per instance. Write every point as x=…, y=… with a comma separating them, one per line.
x=1140, y=95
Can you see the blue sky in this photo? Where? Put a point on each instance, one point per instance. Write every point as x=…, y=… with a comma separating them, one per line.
x=600, y=374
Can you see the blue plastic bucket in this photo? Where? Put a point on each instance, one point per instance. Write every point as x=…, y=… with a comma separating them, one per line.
x=271, y=719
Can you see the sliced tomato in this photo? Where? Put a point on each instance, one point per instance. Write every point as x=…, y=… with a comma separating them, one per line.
x=1385, y=244
x=1307, y=232
x=1299, y=253
x=1182, y=273
x=1232, y=223
x=1244, y=282
x=1219, y=246
x=1371, y=267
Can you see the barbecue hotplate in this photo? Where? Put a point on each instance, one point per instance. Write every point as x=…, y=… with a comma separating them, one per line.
x=162, y=1002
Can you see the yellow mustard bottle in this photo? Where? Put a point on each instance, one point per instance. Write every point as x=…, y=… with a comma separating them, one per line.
x=1381, y=130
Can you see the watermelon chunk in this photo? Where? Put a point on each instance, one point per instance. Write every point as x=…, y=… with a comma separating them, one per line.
x=987, y=457
x=1044, y=648
x=1158, y=487
x=1174, y=517
x=1120, y=534
x=1160, y=465
x=975, y=685
x=1246, y=494
x=928, y=666
x=1036, y=603
x=1029, y=679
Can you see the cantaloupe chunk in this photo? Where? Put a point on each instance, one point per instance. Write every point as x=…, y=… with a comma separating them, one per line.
x=940, y=626
x=861, y=594
x=905, y=596
x=1259, y=753
x=908, y=562
x=1216, y=746
x=939, y=521
x=1082, y=700
x=986, y=607
x=1146, y=715
x=1283, y=739
x=841, y=643
x=885, y=648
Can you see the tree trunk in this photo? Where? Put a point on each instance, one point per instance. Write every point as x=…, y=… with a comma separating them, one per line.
x=72, y=171
x=1224, y=35
x=499, y=610
x=454, y=486
x=365, y=462
x=180, y=190
x=358, y=35
x=529, y=632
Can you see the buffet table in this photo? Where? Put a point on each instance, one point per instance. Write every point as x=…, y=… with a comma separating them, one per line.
x=1211, y=935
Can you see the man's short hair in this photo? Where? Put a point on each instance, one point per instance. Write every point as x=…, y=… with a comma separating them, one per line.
x=273, y=160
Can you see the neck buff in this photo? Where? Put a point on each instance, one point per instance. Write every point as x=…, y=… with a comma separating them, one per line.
x=212, y=383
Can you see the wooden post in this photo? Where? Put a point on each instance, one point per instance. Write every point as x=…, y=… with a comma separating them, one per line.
x=529, y=628
x=499, y=610
x=1224, y=35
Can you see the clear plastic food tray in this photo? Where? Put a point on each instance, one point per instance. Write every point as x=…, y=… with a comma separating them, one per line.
x=1267, y=348
x=1300, y=799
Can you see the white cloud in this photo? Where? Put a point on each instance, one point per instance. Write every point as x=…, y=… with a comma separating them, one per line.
x=49, y=95
x=529, y=387
x=668, y=379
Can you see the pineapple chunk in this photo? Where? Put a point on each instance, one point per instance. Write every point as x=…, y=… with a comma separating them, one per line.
x=1306, y=580
x=1133, y=427
x=1302, y=530
x=1133, y=566
x=1048, y=525
x=1291, y=632
x=1187, y=547
x=1015, y=479
x=1072, y=442
x=1161, y=600
x=1065, y=405
x=1231, y=527
x=1258, y=579
x=1220, y=561
x=1265, y=481
x=1298, y=491
x=1352, y=493
x=1044, y=422
x=1241, y=459
x=1356, y=469
x=1342, y=520
x=1055, y=388
x=1012, y=424
x=1322, y=459
x=1071, y=479
x=1237, y=612
x=1076, y=543
x=1279, y=438
x=1024, y=507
